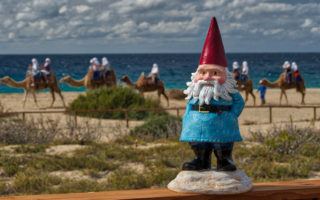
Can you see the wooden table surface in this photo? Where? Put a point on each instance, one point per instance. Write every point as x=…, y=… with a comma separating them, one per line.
x=299, y=189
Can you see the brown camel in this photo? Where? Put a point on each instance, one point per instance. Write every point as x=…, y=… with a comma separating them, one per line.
x=26, y=84
x=144, y=85
x=283, y=85
x=247, y=87
x=109, y=80
x=176, y=94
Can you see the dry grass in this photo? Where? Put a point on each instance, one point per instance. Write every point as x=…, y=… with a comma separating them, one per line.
x=41, y=130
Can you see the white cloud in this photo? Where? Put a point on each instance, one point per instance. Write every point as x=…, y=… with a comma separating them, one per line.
x=63, y=9
x=144, y=25
x=127, y=6
x=272, y=31
x=315, y=30
x=105, y=16
x=11, y=35
x=82, y=8
x=307, y=23
x=270, y=7
x=26, y=16
x=213, y=3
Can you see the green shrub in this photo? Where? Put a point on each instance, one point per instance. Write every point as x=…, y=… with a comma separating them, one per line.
x=289, y=140
x=70, y=185
x=158, y=127
x=11, y=165
x=34, y=182
x=282, y=153
x=6, y=188
x=127, y=179
x=114, y=98
x=31, y=148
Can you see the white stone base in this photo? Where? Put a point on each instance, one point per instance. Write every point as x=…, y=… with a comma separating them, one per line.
x=211, y=182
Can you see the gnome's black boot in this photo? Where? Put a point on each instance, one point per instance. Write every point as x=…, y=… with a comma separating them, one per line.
x=196, y=163
x=206, y=162
x=224, y=160
x=202, y=160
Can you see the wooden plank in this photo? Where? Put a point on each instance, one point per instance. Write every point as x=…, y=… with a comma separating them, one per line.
x=300, y=189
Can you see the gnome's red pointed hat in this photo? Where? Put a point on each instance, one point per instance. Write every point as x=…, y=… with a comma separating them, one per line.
x=213, y=50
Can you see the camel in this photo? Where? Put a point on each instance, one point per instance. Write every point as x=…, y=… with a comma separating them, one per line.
x=88, y=83
x=283, y=85
x=247, y=87
x=143, y=85
x=26, y=84
x=176, y=94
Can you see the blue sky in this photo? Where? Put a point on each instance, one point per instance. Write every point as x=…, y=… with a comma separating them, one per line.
x=151, y=26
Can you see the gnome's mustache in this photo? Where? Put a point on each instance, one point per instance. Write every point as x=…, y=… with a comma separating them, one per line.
x=194, y=87
x=203, y=90
x=207, y=91
x=202, y=83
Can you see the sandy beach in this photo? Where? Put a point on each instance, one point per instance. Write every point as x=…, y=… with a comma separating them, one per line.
x=250, y=120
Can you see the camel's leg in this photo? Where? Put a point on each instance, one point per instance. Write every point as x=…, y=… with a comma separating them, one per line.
x=159, y=96
x=246, y=99
x=165, y=96
x=25, y=98
x=285, y=95
x=35, y=98
x=62, y=99
x=281, y=93
x=254, y=98
x=53, y=98
x=302, y=100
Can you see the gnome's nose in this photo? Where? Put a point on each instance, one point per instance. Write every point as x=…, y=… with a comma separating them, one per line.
x=207, y=77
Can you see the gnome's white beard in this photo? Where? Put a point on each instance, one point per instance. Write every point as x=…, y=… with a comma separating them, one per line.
x=204, y=91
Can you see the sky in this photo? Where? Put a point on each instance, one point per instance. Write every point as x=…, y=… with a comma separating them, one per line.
x=156, y=26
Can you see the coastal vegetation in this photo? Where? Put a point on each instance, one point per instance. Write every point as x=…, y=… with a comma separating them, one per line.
x=149, y=156
x=115, y=98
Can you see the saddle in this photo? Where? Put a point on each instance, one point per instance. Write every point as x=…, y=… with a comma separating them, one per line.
x=40, y=78
x=101, y=77
x=97, y=76
x=152, y=80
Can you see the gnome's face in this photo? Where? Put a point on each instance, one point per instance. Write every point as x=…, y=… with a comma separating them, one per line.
x=210, y=72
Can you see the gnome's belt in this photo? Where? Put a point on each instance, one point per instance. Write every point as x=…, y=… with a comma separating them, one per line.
x=210, y=108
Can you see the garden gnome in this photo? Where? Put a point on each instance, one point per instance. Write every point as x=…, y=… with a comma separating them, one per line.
x=210, y=124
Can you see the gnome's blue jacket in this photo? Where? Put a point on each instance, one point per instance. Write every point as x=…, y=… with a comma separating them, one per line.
x=213, y=127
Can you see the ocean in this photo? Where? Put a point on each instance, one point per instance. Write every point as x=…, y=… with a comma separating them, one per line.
x=175, y=69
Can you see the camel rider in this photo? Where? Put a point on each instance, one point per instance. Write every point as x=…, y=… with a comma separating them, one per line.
x=96, y=68
x=105, y=67
x=245, y=71
x=154, y=74
x=235, y=70
x=105, y=64
x=46, y=70
x=287, y=71
x=91, y=64
x=34, y=71
x=296, y=73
